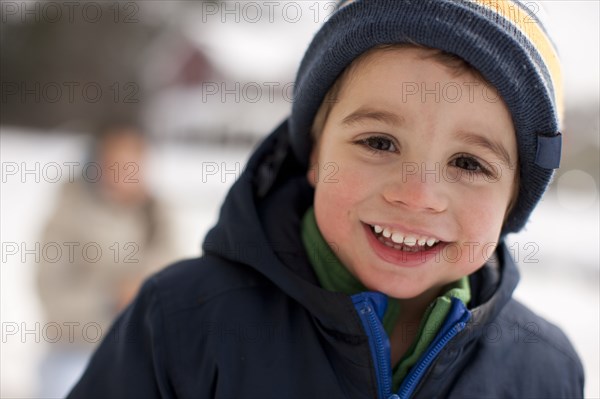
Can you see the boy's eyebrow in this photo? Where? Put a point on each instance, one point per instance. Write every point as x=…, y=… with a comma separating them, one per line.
x=483, y=142
x=362, y=114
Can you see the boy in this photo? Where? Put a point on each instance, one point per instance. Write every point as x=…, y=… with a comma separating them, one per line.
x=366, y=259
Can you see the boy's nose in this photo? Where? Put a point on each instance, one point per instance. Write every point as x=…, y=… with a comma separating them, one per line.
x=419, y=187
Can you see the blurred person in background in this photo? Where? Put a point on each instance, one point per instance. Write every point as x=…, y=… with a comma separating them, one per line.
x=113, y=234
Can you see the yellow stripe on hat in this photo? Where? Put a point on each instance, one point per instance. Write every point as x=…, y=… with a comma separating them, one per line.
x=527, y=24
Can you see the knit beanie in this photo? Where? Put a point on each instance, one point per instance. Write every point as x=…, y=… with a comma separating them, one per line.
x=503, y=39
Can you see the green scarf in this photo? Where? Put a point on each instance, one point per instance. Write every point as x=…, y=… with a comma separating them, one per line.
x=333, y=276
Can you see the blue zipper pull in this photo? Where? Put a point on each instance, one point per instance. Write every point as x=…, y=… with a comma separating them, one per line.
x=371, y=307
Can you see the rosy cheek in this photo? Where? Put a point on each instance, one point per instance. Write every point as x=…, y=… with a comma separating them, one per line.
x=479, y=216
x=362, y=178
x=343, y=184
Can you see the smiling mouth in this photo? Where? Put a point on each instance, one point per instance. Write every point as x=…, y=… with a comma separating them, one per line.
x=401, y=242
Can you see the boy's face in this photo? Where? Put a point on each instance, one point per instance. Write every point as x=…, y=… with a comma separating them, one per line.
x=423, y=154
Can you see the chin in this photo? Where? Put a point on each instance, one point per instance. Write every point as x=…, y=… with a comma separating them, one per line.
x=400, y=288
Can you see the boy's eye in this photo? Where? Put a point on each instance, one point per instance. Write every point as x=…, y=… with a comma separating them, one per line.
x=378, y=143
x=472, y=165
x=467, y=163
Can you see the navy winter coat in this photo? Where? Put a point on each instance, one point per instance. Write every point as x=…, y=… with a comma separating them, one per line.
x=249, y=320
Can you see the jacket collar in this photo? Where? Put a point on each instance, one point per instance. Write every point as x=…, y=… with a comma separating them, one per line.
x=259, y=226
x=494, y=284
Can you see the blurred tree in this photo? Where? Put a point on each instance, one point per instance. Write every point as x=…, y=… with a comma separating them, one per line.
x=53, y=72
x=62, y=64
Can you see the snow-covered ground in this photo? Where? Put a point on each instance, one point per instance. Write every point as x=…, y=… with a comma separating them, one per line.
x=559, y=251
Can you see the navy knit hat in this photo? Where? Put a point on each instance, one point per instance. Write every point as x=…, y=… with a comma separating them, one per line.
x=503, y=39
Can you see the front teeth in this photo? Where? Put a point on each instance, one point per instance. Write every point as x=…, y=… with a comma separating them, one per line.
x=399, y=238
x=410, y=241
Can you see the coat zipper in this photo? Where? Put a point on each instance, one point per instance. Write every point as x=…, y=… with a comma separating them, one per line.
x=408, y=386
x=457, y=319
x=371, y=307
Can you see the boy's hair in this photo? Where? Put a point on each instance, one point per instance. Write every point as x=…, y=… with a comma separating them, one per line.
x=457, y=65
x=502, y=39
